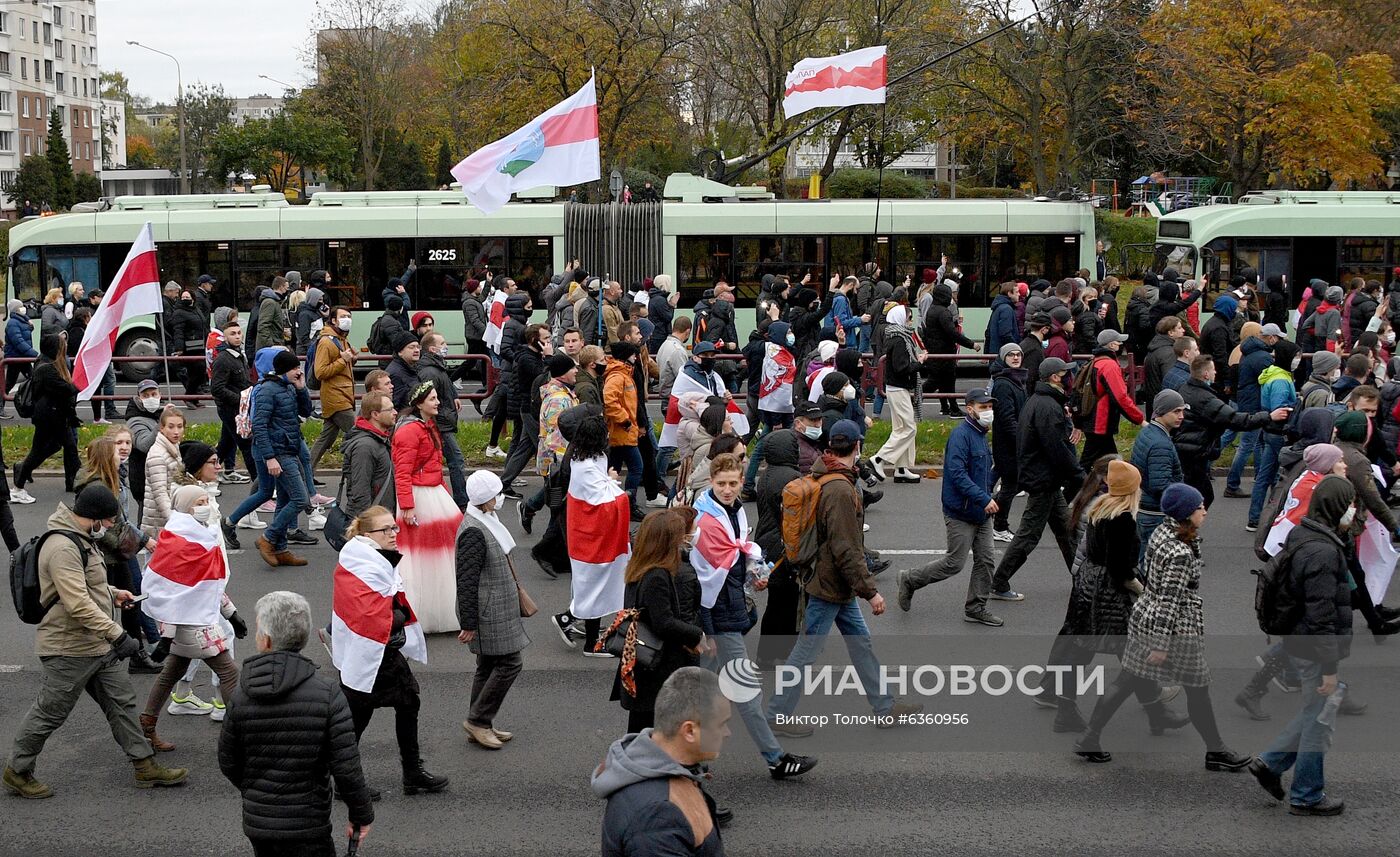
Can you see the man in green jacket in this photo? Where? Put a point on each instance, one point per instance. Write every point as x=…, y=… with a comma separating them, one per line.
x=80, y=647
x=274, y=327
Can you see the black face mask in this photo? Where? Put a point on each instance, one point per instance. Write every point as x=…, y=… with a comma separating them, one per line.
x=707, y=364
x=187, y=302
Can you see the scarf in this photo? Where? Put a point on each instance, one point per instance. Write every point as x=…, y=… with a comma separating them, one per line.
x=492, y=522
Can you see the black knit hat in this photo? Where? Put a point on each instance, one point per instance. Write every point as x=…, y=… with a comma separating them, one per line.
x=96, y=502
x=623, y=351
x=560, y=364
x=195, y=454
x=284, y=362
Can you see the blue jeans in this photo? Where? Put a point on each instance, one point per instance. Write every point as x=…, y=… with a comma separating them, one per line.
x=1303, y=742
x=456, y=468
x=816, y=625
x=729, y=646
x=148, y=625
x=1265, y=472
x=1248, y=440
x=772, y=420
x=629, y=457
x=108, y=388
x=1147, y=522
x=760, y=451
x=291, y=498
x=664, y=455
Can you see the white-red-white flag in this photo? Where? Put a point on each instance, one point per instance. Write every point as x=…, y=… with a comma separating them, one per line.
x=689, y=389
x=135, y=291
x=558, y=147
x=776, y=379
x=857, y=77
x=718, y=546
x=496, y=320
x=599, y=513
x=185, y=579
x=365, y=589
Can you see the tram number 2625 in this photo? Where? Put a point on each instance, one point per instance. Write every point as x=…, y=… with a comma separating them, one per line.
x=442, y=255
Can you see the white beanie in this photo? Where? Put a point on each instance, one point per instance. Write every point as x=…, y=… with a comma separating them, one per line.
x=482, y=487
x=827, y=350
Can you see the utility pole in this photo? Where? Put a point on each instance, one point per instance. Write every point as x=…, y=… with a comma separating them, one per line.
x=180, y=105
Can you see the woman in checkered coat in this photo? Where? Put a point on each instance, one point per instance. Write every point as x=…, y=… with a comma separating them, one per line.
x=1166, y=632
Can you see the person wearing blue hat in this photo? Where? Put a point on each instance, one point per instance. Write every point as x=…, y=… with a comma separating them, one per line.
x=968, y=507
x=1166, y=633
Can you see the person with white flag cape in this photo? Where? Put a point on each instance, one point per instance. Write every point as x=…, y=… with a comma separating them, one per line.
x=374, y=632
x=185, y=584
x=489, y=608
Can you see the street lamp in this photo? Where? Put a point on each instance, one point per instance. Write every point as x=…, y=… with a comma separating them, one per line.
x=179, y=82
x=284, y=83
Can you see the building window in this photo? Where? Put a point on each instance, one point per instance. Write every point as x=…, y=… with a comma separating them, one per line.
x=58, y=49
x=5, y=22
x=23, y=69
x=7, y=104
x=58, y=15
x=48, y=33
x=85, y=87
x=22, y=29
x=73, y=53
x=35, y=25
x=4, y=62
x=82, y=22
x=7, y=141
x=28, y=150
x=24, y=106
x=48, y=70
x=77, y=119
x=58, y=81
x=7, y=179
x=92, y=23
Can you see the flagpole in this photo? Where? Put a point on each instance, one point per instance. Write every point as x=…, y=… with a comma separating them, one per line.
x=164, y=352
x=880, y=146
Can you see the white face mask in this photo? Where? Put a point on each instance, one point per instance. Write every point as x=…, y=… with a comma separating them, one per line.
x=98, y=531
x=204, y=514
x=23, y=311
x=848, y=392
x=500, y=503
x=441, y=352
x=813, y=432
x=1336, y=375
x=1348, y=516
x=151, y=404
x=985, y=417
x=1390, y=338
x=344, y=325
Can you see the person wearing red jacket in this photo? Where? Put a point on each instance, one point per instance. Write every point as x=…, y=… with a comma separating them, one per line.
x=1111, y=400
x=428, y=518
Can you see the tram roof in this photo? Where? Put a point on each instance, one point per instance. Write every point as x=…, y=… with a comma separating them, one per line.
x=1283, y=214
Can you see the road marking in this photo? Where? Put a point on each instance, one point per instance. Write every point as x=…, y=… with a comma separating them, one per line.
x=10, y=668
x=883, y=552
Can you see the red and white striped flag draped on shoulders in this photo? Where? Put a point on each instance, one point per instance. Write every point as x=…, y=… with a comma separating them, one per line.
x=365, y=589
x=688, y=387
x=776, y=379
x=599, y=513
x=495, y=320
x=186, y=577
x=135, y=291
x=857, y=77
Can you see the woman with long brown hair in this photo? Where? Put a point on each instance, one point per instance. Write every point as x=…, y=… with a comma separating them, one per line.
x=55, y=413
x=652, y=591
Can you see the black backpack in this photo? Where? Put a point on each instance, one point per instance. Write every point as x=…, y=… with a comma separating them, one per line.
x=24, y=577
x=1274, y=605
x=23, y=396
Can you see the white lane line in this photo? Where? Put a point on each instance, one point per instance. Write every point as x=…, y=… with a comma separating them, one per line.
x=884, y=552
x=10, y=668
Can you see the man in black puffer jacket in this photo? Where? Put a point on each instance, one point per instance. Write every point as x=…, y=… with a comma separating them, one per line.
x=287, y=735
x=1316, y=584
x=1208, y=415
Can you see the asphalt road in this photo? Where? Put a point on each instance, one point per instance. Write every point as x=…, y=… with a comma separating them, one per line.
x=1003, y=785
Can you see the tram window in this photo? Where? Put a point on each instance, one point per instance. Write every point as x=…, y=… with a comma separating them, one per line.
x=531, y=262
x=1362, y=257
x=303, y=257
x=748, y=255
x=850, y=252
x=24, y=284
x=792, y=255
x=345, y=261
x=72, y=264
x=702, y=262
x=262, y=253
x=1269, y=256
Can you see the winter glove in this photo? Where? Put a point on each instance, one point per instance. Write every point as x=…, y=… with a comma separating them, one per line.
x=161, y=651
x=126, y=646
x=240, y=628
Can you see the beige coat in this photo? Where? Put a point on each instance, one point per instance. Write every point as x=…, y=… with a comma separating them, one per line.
x=80, y=623
x=164, y=470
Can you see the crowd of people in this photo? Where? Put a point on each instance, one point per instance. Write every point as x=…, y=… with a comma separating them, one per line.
x=653, y=530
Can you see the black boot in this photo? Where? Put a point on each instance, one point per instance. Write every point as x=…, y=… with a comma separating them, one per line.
x=1067, y=717
x=1160, y=718
x=416, y=779
x=1226, y=760
x=1258, y=687
x=1088, y=749
x=141, y=664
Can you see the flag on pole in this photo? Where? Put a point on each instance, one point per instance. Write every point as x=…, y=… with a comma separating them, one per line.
x=840, y=81
x=558, y=147
x=599, y=513
x=693, y=394
x=365, y=590
x=185, y=580
x=135, y=291
x=496, y=320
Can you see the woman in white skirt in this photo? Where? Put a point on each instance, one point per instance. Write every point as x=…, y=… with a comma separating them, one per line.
x=428, y=519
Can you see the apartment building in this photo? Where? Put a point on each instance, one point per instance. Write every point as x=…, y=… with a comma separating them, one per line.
x=48, y=59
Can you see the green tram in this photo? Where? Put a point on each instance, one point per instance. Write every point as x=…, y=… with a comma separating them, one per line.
x=713, y=233
x=1332, y=236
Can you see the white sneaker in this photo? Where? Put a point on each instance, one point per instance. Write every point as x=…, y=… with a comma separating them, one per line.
x=1002, y=535
x=251, y=522
x=270, y=507
x=219, y=713
x=19, y=495
x=235, y=477
x=865, y=528
x=316, y=520
x=495, y=452
x=657, y=502
x=459, y=385
x=188, y=705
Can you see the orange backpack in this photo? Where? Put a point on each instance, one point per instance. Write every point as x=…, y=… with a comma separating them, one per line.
x=800, y=498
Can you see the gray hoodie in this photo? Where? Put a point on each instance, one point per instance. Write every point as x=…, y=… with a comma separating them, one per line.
x=645, y=813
